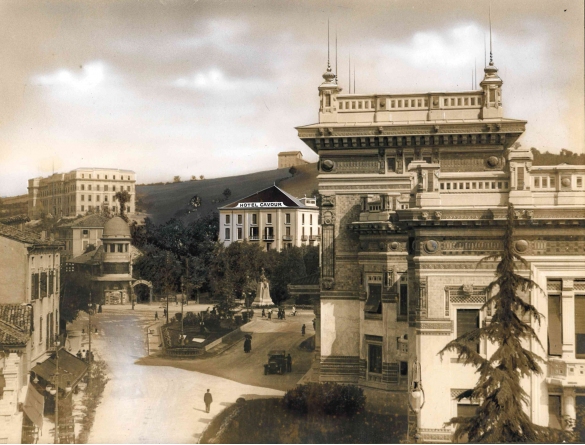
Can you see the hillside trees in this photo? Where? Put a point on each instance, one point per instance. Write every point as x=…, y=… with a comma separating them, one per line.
x=500, y=416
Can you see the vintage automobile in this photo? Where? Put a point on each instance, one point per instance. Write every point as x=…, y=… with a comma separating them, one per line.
x=276, y=362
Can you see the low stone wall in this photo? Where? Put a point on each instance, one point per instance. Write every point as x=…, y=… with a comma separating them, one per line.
x=194, y=352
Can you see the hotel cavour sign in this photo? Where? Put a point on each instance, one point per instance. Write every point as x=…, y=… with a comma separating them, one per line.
x=258, y=205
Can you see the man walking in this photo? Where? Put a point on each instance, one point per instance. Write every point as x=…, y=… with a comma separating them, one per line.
x=207, y=399
x=288, y=363
x=303, y=328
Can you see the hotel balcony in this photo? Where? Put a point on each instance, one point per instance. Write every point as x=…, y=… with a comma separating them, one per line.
x=304, y=238
x=269, y=237
x=287, y=237
x=315, y=237
x=254, y=238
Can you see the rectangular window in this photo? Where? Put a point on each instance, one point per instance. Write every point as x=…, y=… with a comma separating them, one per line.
x=327, y=100
x=404, y=369
x=227, y=234
x=391, y=164
x=254, y=218
x=375, y=358
x=112, y=248
x=105, y=186
x=240, y=219
x=227, y=219
x=82, y=186
x=269, y=218
x=407, y=161
x=120, y=248
x=287, y=218
x=403, y=302
x=467, y=321
x=374, y=300
x=89, y=197
x=555, y=417
x=466, y=409
x=554, y=318
x=82, y=208
x=97, y=198
x=240, y=233
x=580, y=326
x=254, y=233
x=311, y=219
x=83, y=197
x=579, y=181
x=552, y=182
x=545, y=182
x=287, y=231
x=34, y=288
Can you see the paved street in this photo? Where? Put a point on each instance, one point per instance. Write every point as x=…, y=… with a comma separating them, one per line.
x=153, y=404
x=236, y=365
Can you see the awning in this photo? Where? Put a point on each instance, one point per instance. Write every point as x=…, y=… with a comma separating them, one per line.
x=34, y=405
x=71, y=369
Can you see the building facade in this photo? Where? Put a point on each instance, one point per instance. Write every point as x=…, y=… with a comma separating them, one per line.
x=415, y=189
x=80, y=191
x=110, y=264
x=272, y=218
x=288, y=159
x=29, y=316
x=79, y=234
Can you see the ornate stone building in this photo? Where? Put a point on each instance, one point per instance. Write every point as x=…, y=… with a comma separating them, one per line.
x=414, y=190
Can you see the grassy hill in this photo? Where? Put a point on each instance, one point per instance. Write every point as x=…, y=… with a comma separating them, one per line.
x=165, y=201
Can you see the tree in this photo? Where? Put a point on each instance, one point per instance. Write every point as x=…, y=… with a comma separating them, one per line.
x=201, y=177
x=288, y=266
x=75, y=289
x=500, y=417
x=176, y=179
x=193, y=178
x=293, y=170
x=227, y=193
x=123, y=197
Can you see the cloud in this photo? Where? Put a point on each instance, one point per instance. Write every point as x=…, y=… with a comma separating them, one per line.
x=91, y=75
x=214, y=80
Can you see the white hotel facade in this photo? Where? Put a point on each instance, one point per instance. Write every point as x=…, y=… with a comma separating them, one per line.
x=272, y=218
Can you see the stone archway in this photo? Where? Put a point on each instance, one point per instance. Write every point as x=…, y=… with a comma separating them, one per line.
x=146, y=283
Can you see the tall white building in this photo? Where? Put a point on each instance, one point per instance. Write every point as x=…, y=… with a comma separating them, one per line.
x=272, y=218
x=79, y=191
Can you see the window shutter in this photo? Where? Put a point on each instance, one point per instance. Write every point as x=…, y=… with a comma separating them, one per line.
x=374, y=299
x=580, y=325
x=467, y=321
x=555, y=340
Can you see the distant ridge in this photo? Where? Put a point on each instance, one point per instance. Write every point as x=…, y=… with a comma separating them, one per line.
x=163, y=202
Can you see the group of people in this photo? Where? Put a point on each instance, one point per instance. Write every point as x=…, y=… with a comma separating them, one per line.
x=280, y=314
x=84, y=355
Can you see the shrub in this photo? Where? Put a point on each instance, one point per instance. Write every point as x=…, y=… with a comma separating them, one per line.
x=326, y=398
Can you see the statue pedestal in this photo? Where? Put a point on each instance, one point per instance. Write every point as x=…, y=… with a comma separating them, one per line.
x=262, y=294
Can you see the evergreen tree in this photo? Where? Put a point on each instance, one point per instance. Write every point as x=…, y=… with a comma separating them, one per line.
x=500, y=417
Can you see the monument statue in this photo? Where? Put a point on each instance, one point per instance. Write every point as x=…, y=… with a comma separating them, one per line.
x=263, y=291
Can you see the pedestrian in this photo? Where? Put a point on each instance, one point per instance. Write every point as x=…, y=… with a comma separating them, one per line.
x=83, y=354
x=164, y=312
x=294, y=311
x=156, y=315
x=283, y=314
x=99, y=309
x=263, y=313
x=303, y=328
x=288, y=363
x=313, y=324
x=79, y=354
x=270, y=314
x=247, y=345
x=207, y=398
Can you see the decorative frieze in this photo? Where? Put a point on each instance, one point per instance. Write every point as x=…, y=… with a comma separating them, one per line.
x=467, y=294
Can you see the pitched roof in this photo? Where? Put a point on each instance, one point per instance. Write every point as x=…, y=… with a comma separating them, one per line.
x=26, y=236
x=16, y=219
x=289, y=153
x=91, y=257
x=270, y=194
x=95, y=220
x=15, y=324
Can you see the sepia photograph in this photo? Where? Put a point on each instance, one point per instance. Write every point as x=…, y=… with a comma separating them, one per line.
x=295, y=221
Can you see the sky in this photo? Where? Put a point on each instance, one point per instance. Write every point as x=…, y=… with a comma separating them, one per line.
x=216, y=88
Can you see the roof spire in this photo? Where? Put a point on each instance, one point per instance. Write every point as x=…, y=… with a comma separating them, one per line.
x=349, y=71
x=491, y=54
x=335, y=54
x=328, y=65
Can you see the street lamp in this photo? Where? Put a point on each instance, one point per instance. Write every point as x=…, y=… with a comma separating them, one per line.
x=416, y=394
x=53, y=387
